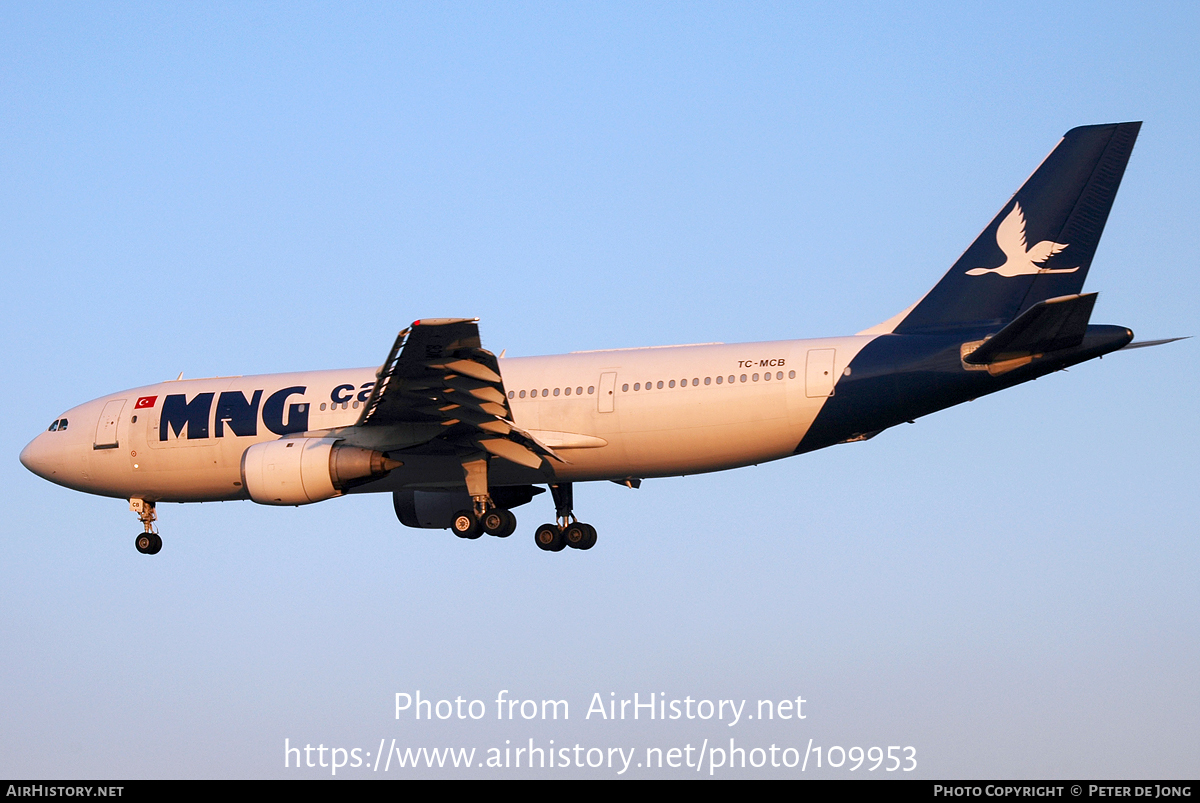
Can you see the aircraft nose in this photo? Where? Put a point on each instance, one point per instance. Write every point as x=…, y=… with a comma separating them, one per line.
x=37, y=458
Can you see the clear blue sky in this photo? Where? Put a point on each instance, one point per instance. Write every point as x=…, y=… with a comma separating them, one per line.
x=1009, y=586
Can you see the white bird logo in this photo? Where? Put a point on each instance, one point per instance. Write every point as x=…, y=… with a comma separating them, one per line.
x=1010, y=236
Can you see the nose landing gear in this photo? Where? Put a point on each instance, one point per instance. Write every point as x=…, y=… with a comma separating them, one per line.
x=147, y=542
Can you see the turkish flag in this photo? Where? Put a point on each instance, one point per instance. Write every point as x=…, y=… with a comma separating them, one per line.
x=144, y=402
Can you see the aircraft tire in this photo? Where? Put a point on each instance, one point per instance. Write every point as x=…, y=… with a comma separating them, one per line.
x=575, y=535
x=465, y=525
x=143, y=543
x=156, y=546
x=549, y=538
x=500, y=523
x=590, y=540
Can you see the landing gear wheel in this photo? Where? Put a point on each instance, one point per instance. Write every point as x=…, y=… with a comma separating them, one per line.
x=575, y=535
x=590, y=540
x=549, y=538
x=499, y=522
x=465, y=525
x=148, y=543
x=580, y=535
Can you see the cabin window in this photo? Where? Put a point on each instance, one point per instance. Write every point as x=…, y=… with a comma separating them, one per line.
x=545, y=392
x=624, y=389
x=779, y=374
x=522, y=394
x=579, y=391
x=660, y=384
x=767, y=376
x=720, y=379
x=637, y=385
x=672, y=383
x=512, y=394
x=743, y=378
x=791, y=374
x=592, y=389
x=556, y=391
x=708, y=380
x=567, y=391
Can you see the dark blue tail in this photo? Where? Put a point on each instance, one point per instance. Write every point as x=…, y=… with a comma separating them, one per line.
x=1041, y=243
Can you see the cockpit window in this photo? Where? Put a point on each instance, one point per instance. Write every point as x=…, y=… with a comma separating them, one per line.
x=62, y=425
x=53, y=427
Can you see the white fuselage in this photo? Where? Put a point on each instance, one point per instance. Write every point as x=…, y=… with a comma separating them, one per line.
x=647, y=412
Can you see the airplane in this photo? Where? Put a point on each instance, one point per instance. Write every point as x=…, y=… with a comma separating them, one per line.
x=460, y=437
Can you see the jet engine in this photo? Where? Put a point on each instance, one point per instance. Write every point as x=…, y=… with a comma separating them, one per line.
x=297, y=471
x=433, y=510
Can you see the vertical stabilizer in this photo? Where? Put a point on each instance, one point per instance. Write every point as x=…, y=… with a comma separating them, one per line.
x=1041, y=243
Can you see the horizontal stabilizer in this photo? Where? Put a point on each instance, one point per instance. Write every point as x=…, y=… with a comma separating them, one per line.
x=1141, y=344
x=1050, y=325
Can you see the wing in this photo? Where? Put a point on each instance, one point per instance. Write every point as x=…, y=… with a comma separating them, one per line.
x=438, y=373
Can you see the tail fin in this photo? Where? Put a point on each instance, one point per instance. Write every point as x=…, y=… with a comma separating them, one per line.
x=1041, y=243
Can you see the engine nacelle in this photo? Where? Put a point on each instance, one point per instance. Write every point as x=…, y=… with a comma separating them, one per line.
x=434, y=510
x=297, y=471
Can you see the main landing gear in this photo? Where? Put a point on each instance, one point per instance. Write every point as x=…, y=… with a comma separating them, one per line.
x=485, y=516
x=567, y=530
x=497, y=521
x=148, y=542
